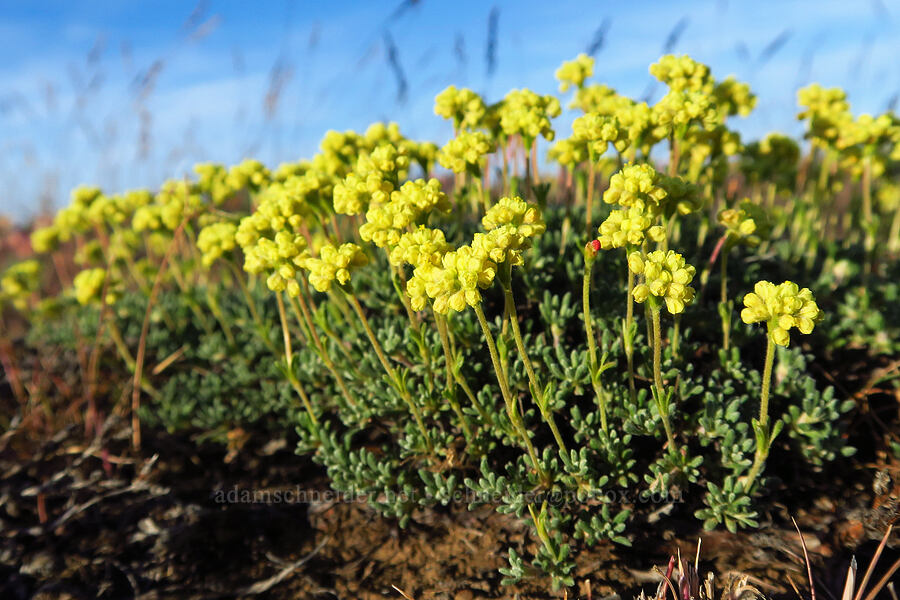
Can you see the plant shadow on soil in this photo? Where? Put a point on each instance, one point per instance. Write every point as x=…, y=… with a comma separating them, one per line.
x=161, y=523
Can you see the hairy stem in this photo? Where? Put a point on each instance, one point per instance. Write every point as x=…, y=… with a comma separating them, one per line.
x=511, y=409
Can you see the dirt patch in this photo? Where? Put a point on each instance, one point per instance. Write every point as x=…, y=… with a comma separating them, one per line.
x=96, y=520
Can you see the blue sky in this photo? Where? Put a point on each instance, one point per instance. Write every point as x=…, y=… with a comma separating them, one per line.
x=125, y=94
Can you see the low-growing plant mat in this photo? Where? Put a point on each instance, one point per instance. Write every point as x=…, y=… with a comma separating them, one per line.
x=95, y=520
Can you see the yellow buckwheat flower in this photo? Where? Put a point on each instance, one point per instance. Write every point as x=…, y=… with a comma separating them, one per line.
x=250, y=174
x=19, y=282
x=454, y=284
x=598, y=131
x=215, y=240
x=524, y=216
x=279, y=257
x=463, y=106
x=629, y=226
x=635, y=185
x=526, y=113
x=781, y=306
x=386, y=223
x=466, y=152
x=746, y=224
x=45, y=239
x=666, y=276
x=334, y=264
x=419, y=247
x=682, y=73
x=572, y=73
x=568, y=152
x=88, y=286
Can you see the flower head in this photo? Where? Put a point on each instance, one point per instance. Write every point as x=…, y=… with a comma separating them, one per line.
x=629, y=226
x=463, y=106
x=528, y=114
x=19, y=282
x=666, y=276
x=88, y=286
x=215, y=240
x=636, y=185
x=746, y=224
x=466, y=152
x=334, y=264
x=781, y=306
x=419, y=247
x=598, y=132
x=572, y=73
x=454, y=284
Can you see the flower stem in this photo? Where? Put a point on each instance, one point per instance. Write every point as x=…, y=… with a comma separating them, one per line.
x=289, y=361
x=628, y=335
x=592, y=342
x=451, y=379
x=392, y=374
x=300, y=308
x=657, y=377
x=536, y=389
x=723, y=299
x=762, y=452
x=511, y=409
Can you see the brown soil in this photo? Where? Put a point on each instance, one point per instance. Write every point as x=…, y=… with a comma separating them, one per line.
x=97, y=520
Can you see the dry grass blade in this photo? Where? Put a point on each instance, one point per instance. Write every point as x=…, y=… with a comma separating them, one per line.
x=142, y=344
x=401, y=592
x=850, y=582
x=884, y=581
x=871, y=569
x=812, y=584
x=262, y=587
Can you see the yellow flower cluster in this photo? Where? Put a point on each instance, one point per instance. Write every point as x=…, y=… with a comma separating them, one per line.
x=212, y=180
x=90, y=208
x=463, y=106
x=249, y=174
x=333, y=264
x=876, y=139
x=525, y=217
x=279, y=257
x=453, y=279
x=511, y=225
x=598, y=98
x=598, y=132
x=466, y=152
x=827, y=111
x=282, y=207
x=88, y=285
x=19, y=282
x=176, y=200
x=339, y=151
x=572, y=73
x=528, y=114
x=568, y=152
x=666, y=276
x=376, y=175
x=629, y=226
x=781, y=306
x=747, y=224
x=636, y=185
x=733, y=98
x=214, y=240
x=386, y=223
x=422, y=246
x=454, y=284
x=683, y=73
x=680, y=108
